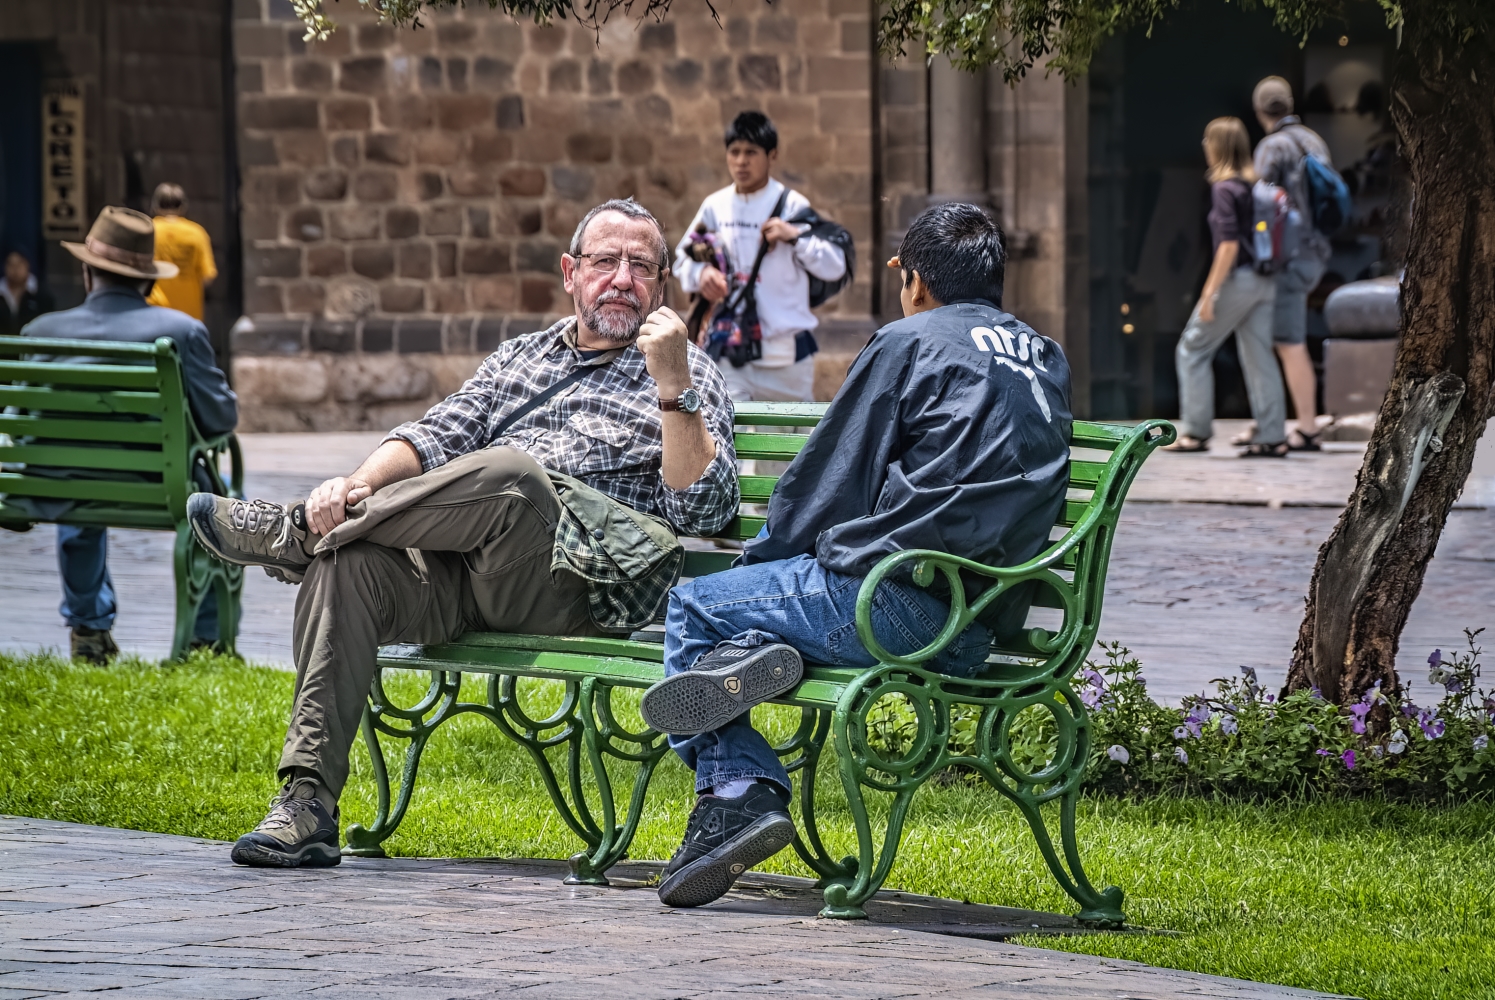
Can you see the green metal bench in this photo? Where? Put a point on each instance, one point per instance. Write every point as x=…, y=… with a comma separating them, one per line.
x=585, y=731
x=125, y=412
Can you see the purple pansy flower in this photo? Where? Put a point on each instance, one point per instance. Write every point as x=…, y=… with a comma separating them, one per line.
x=1432, y=726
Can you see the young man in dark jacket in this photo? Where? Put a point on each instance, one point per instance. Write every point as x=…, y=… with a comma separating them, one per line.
x=950, y=433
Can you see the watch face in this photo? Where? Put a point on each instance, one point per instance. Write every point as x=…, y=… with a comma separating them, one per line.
x=690, y=401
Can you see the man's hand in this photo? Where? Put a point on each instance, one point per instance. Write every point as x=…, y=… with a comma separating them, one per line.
x=713, y=284
x=327, y=507
x=662, y=339
x=1207, y=309
x=776, y=230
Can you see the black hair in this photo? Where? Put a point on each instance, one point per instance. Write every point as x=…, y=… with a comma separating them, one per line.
x=753, y=127
x=959, y=252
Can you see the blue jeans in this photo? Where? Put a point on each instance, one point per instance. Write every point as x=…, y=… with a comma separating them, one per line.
x=88, y=591
x=798, y=602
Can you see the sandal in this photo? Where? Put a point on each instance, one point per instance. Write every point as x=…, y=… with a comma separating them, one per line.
x=1310, y=442
x=1187, y=443
x=1278, y=450
x=1245, y=436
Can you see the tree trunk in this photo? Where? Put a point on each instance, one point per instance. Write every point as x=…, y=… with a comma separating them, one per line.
x=1370, y=570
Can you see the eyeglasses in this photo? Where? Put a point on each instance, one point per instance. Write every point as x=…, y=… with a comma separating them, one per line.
x=606, y=263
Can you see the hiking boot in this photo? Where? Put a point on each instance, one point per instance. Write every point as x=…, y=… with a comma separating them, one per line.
x=724, y=838
x=92, y=645
x=722, y=685
x=299, y=832
x=253, y=533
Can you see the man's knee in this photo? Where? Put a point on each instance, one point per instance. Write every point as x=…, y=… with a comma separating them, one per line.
x=495, y=470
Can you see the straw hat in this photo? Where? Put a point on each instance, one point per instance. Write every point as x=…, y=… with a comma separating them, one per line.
x=123, y=241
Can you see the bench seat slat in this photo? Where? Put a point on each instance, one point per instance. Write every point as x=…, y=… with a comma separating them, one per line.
x=113, y=431
x=78, y=401
x=632, y=664
x=119, y=459
x=107, y=376
x=16, y=484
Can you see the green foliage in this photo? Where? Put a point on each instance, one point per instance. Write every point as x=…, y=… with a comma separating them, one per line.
x=1394, y=897
x=1244, y=741
x=1012, y=35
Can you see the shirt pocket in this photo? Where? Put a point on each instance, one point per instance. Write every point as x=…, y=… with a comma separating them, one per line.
x=607, y=443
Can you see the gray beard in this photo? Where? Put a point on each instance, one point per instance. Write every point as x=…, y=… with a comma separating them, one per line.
x=611, y=326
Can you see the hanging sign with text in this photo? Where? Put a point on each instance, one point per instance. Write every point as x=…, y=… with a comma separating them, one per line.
x=63, y=211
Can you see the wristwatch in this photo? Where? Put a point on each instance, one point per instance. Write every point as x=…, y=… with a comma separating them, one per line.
x=688, y=401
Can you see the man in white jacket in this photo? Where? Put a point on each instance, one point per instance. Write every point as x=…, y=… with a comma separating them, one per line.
x=741, y=215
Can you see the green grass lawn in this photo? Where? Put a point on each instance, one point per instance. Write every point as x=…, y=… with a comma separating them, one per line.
x=1377, y=900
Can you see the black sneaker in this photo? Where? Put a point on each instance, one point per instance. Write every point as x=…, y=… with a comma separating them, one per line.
x=297, y=833
x=724, y=838
x=722, y=685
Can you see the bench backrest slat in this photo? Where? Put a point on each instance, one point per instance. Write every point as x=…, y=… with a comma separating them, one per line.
x=16, y=484
x=80, y=401
x=58, y=373
x=118, y=459
x=97, y=409
x=113, y=431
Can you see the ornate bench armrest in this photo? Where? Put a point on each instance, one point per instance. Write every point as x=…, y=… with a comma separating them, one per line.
x=1103, y=508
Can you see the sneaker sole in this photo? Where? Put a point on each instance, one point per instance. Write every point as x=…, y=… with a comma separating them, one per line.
x=254, y=855
x=709, y=878
x=200, y=516
x=699, y=701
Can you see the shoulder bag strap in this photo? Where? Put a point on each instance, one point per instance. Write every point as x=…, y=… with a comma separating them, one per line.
x=542, y=398
x=763, y=248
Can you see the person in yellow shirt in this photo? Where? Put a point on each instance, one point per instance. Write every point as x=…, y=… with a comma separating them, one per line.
x=185, y=244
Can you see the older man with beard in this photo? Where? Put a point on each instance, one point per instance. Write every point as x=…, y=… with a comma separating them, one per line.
x=542, y=497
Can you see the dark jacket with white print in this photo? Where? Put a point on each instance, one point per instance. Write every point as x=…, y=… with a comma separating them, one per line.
x=950, y=433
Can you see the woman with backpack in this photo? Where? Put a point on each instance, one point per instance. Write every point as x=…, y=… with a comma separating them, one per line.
x=1236, y=299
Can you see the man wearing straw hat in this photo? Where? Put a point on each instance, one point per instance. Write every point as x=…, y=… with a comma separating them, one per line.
x=119, y=269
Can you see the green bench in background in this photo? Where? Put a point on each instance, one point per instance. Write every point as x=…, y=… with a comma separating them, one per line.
x=1034, y=673
x=122, y=410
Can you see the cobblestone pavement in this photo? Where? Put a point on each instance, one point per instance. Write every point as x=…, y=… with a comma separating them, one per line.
x=1211, y=562
x=85, y=910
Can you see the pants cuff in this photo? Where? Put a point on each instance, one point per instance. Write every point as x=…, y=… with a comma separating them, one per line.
x=707, y=780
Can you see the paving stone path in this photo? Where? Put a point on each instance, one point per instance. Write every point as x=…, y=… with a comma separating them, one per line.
x=1210, y=567
x=88, y=910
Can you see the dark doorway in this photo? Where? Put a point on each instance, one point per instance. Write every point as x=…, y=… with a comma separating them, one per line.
x=20, y=154
x=1152, y=91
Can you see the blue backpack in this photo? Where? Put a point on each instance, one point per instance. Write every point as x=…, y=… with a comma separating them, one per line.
x=1328, y=194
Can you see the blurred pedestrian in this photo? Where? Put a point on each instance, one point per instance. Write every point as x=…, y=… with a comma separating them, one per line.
x=773, y=246
x=1279, y=160
x=1236, y=299
x=21, y=299
x=184, y=243
x=119, y=268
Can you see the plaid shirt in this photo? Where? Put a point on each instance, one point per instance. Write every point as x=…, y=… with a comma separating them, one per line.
x=606, y=432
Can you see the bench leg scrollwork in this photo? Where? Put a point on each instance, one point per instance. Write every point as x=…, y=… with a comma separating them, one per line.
x=584, y=729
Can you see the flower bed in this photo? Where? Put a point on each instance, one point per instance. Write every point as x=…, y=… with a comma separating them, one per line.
x=1244, y=740
x=1248, y=742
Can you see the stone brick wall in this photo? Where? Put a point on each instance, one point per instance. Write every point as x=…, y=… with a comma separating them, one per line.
x=152, y=77
x=407, y=194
